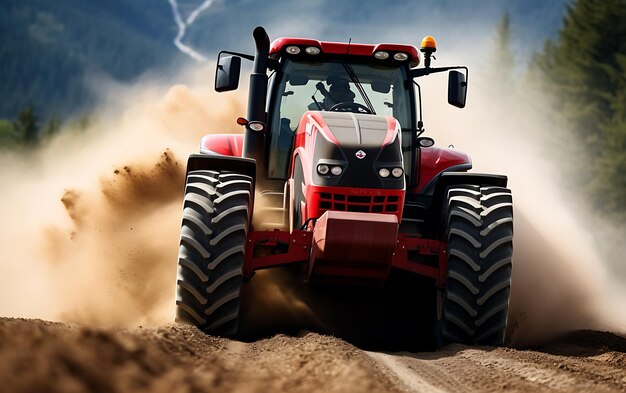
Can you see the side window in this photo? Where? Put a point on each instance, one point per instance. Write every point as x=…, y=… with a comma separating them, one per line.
x=295, y=99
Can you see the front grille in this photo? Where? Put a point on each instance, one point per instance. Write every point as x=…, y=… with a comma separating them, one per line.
x=359, y=203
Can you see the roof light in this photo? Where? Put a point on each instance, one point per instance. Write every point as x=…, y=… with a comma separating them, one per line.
x=292, y=50
x=312, y=50
x=383, y=172
x=401, y=56
x=336, y=170
x=381, y=55
x=428, y=44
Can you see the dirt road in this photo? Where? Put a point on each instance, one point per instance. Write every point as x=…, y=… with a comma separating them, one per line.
x=38, y=356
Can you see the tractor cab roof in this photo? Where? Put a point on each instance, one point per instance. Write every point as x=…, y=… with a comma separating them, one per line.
x=304, y=47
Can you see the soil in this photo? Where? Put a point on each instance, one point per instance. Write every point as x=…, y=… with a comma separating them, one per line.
x=38, y=356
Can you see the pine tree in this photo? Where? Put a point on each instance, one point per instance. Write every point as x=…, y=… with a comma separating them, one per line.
x=502, y=59
x=25, y=125
x=581, y=62
x=52, y=126
x=611, y=164
x=7, y=134
x=585, y=71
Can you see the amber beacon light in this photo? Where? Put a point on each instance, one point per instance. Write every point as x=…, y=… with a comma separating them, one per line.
x=428, y=47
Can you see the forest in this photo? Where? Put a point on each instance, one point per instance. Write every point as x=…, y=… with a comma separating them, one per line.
x=584, y=71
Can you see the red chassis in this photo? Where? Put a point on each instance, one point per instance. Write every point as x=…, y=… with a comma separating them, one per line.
x=425, y=257
x=326, y=254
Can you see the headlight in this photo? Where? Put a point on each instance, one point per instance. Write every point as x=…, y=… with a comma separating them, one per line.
x=293, y=50
x=383, y=172
x=397, y=172
x=401, y=56
x=312, y=50
x=336, y=170
x=381, y=55
x=257, y=126
x=322, y=169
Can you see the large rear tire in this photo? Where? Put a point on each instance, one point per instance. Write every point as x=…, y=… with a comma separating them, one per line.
x=479, y=233
x=211, y=254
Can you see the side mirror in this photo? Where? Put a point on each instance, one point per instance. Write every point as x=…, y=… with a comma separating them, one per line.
x=227, y=73
x=457, y=89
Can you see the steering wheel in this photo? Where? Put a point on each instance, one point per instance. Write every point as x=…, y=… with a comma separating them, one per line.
x=350, y=107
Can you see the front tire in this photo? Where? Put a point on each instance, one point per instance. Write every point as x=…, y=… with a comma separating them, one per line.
x=214, y=230
x=479, y=233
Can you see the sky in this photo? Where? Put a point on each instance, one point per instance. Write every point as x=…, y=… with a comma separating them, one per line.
x=455, y=24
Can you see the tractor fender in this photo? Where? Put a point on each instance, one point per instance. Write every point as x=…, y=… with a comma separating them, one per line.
x=218, y=162
x=433, y=161
x=447, y=179
x=224, y=144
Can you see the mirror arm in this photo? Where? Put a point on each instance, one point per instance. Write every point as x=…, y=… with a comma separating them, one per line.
x=272, y=64
x=433, y=70
x=242, y=55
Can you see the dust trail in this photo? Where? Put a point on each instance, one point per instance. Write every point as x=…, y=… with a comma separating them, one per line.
x=183, y=25
x=90, y=222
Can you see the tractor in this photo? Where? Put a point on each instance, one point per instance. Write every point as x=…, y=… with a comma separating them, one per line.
x=334, y=176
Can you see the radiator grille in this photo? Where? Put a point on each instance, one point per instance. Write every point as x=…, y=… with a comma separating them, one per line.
x=359, y=203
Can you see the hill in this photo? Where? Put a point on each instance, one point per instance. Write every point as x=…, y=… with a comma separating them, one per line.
x=49, y=49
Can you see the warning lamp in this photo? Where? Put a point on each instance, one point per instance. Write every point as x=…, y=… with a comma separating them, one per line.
x=428, y=44
x=428, y=47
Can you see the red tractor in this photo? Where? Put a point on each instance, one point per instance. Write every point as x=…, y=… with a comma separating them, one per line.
x=333, y=175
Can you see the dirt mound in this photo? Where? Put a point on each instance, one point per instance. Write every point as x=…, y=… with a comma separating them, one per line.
x=40, y=356
x=36, y=355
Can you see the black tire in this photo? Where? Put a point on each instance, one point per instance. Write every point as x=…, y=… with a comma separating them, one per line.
x=211, y=253
x=479, y=233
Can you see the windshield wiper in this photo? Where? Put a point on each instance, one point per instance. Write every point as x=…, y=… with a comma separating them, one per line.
x=355, y=79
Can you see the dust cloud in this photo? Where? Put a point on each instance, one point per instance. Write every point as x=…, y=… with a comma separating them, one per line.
x=90, y=221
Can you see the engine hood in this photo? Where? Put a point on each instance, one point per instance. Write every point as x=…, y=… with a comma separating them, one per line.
x=355, y=130
x=361, y=144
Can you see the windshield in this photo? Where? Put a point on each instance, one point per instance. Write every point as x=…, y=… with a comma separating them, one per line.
x=328, y=86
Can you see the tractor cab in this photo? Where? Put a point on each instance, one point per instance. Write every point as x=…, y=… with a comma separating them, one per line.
x=337, y=80
x=335, y=77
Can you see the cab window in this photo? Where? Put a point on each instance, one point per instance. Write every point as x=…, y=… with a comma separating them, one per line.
x=324, y=86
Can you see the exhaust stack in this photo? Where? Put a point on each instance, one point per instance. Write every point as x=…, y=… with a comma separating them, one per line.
x=253, y=140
